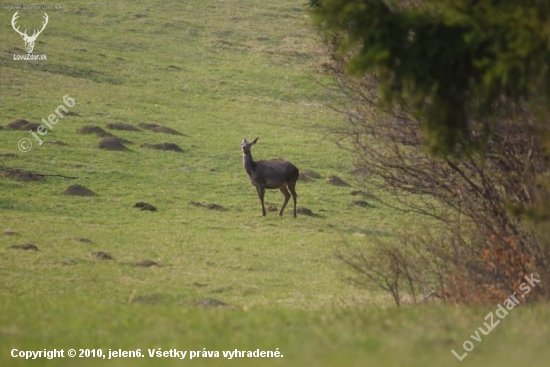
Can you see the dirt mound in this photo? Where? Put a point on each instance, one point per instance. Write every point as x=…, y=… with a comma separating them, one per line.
x=210, y=303
x=92, y=129
x=146, y=264
x=72, y=261
x=308, y=175
x=305, y=211
x=25, y=246
x=208, y=206
x=24, y=176
x=101, y=255
x=121, y=126
x=145, y=206
x=271, y=208
x=148, y=299
x=69, y=113
x=112, y=143
x=361, y=203
x=337, y=181
x=78, y=190
x=8, y=155
x=21, y=124
x=159, y=129
x=83, y=240
x=118, y=138
x=8, y=232
x=56, y=142
x=162, y=146
x=363, y=194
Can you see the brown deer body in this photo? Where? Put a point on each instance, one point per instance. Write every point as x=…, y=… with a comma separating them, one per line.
x=273, y=174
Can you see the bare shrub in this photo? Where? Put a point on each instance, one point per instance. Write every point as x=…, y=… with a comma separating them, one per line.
x=482, y=243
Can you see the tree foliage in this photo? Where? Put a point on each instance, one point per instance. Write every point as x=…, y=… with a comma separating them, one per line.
x=450, y=61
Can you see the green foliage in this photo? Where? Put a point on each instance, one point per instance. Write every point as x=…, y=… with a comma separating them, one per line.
x=449, y=61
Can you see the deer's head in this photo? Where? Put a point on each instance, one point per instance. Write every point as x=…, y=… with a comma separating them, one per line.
x=29, y=40
x=246, y=145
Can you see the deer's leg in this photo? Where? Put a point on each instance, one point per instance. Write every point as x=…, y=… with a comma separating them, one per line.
x=292, y=188
x=261, y=194
x=285, y=192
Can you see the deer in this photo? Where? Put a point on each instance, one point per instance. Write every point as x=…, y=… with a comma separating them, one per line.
x=272, y=174
x=29, y=40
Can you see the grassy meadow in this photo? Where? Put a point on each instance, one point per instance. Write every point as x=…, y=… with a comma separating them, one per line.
x=214, y=71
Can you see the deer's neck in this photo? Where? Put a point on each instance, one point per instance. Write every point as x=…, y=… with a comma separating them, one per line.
x=249, y=164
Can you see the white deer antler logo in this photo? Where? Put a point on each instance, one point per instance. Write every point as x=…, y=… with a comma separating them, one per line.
x=29, y=41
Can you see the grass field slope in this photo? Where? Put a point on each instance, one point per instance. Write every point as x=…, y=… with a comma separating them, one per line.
x=127, y=221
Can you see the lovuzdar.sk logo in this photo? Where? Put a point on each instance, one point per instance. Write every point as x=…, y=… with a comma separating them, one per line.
x=29, y=40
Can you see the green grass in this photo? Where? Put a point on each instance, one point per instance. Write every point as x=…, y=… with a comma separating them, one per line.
x=217, y=72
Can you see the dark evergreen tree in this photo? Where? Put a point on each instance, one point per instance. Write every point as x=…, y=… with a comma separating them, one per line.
x=450, y=61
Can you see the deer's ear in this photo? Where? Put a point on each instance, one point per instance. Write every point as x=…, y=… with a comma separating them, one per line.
x=254, y=141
